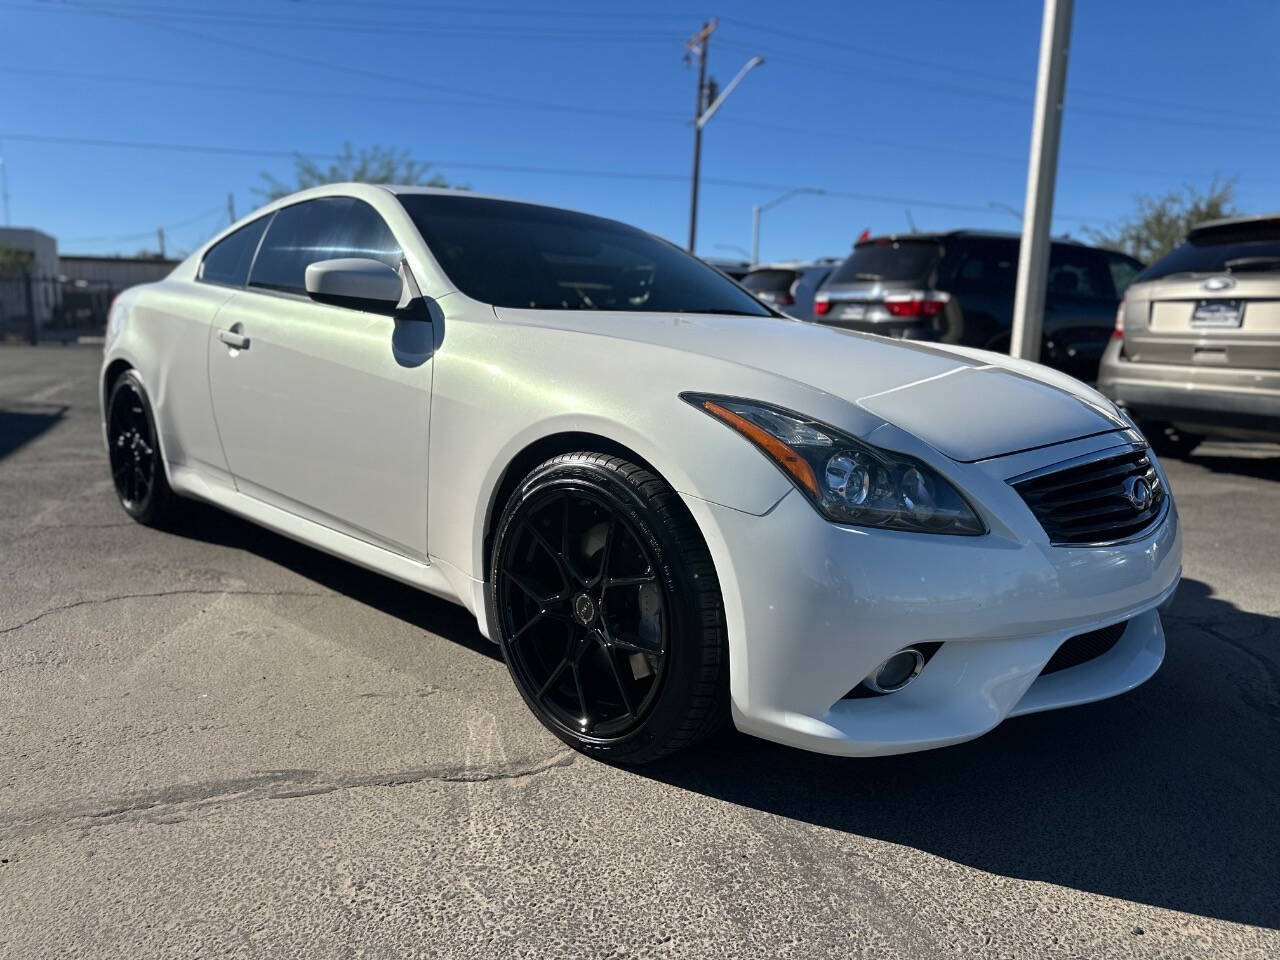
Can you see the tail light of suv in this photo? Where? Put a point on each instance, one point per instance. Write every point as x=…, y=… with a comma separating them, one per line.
x=821, y=305
x=916, y=303
x=1118, y=332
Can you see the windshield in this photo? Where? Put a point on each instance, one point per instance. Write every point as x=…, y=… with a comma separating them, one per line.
x=1203, y=256
x=521, y=255
x=892, y=260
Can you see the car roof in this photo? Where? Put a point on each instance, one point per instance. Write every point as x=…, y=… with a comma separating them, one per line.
x=948, y=234
x=798, y=264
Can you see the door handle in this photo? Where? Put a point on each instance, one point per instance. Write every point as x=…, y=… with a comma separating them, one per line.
x=234, y=338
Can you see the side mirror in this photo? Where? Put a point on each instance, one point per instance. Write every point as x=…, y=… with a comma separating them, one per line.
x=356, y=282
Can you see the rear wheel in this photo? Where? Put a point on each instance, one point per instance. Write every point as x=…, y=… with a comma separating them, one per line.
x=134, y=449
x=1170, y=441
x=608, y=610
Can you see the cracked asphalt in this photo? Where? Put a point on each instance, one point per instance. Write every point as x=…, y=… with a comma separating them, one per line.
x=220, y=743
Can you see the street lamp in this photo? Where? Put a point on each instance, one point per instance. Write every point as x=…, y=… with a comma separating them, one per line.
x=702, y=116
x=1012, y=211
x=760, y=208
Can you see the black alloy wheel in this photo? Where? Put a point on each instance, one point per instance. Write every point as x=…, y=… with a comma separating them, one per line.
x=607, y=609
x=136, y=467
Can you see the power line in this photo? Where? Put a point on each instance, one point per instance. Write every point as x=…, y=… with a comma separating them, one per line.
x=854, y=137
x=141, y=235
x=521, y=168
x=280, y=55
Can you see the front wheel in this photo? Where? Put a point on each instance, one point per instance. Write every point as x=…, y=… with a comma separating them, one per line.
x=607, y=609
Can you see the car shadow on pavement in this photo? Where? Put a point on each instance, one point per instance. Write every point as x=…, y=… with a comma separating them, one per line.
x=1261, y=468
x=399, y=600
x=1165, y=796
x=18, y=427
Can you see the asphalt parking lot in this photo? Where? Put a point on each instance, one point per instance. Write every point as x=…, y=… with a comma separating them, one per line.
x=218, y=742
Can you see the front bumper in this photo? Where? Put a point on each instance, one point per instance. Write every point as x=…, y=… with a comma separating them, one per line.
x=814, y=607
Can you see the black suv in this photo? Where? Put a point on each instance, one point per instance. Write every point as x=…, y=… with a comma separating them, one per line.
x=958, y=287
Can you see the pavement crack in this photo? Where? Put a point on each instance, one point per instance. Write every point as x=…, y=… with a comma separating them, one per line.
x=158, y=593
x=174, y=804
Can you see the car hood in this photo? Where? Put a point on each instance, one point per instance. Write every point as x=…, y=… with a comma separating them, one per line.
x=969, y=404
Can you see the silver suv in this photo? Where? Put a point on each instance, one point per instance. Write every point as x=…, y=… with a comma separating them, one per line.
x=1196, y=348
x=790, y=286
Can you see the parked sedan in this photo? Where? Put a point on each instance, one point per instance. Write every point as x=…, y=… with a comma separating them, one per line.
x=1197, y=340
x=790, y=286
x=667, y=504
x=958, y=287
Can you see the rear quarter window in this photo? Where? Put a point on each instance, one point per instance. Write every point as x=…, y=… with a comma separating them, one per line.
x=227, y=261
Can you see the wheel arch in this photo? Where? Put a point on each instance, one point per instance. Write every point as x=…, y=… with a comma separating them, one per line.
x=539, y=451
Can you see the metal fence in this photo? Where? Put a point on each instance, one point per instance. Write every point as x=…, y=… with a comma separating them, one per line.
x=43, y=308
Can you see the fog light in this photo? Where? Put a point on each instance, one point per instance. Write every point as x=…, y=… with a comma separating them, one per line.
x=896, y=672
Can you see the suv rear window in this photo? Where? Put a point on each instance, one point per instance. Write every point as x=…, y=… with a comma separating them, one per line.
x=769, y=281
x=893, y=260
x=1212, y=251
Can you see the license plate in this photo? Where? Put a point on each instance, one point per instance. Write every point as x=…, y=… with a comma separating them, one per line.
x=1217, y=313
x=854, y=311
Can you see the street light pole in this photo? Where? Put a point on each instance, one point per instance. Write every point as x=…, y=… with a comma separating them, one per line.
x=759, y=208
x=704, y=111
x=1046, y=132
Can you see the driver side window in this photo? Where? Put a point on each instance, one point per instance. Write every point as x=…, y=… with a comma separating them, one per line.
x=328, y=228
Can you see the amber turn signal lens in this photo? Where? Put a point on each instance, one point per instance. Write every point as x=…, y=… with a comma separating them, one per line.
x=783, y=455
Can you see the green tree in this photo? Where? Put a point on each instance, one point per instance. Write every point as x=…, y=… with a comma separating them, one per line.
x=376, y=164
x=13, y=262
x=1159, y=223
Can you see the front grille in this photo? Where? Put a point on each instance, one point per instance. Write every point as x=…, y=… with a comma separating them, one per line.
x=1084, y=647
x=1097, y=501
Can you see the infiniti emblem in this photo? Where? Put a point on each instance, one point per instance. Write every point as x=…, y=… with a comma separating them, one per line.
x=1218, y=283
x=584, y=608
x=1138, y=492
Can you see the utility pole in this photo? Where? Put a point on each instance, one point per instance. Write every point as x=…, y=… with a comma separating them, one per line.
x=160, y=237
x=697, y=46
x=1042, y=171
x=231, y=208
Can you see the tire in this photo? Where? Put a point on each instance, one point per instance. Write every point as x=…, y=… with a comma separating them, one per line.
x=605, y=602
x=1169, y=441
x=137, y=466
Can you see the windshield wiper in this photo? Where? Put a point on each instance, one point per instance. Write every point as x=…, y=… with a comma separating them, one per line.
x=1246, y=264
x=868, y=276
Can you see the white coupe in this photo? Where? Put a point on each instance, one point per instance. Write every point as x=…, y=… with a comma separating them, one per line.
x=667, y=504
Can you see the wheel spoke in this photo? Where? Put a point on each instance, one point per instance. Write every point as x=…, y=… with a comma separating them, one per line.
x=551, y=679
x=531, y=592
x=536, y=618
x=605, y=553
x=569, y=566
x=632, y=645
x=635, y=581
x=582, y=697
x=617, y=678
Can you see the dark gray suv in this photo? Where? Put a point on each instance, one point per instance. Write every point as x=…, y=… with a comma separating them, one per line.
x=958, y=287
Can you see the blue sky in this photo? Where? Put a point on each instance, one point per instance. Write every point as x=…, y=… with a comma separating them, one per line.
x=919, y=105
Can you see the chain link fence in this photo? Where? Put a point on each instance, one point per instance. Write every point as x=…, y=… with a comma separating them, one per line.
x=38, y=309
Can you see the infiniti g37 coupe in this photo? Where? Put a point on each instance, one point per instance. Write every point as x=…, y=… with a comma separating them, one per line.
x=667, y=504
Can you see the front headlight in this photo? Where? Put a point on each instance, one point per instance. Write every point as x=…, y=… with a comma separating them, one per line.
x=846, y=479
